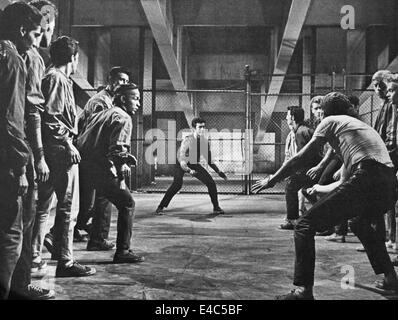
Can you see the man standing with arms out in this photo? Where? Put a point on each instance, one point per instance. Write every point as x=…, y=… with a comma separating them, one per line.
x=369, y=190
x=102, y=100
x=59, y=128
x=105, y=148
x=192, y=147
x=299, y=179
x=20, y=27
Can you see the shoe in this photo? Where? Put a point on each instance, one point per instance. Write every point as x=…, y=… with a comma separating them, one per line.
x=37, y=293
x=360, y=249
x=218, y=211
x=288, y=225
x=38, y=266
x=48, y=242
x=295, y=294
x=105, y=245
x=325, y=233
x=389, y=244
x=395, y=261
x=79, y=237
x=74, y=270
x=335, y=238
x=383, y=285
x=159, y=211
x=128, y=257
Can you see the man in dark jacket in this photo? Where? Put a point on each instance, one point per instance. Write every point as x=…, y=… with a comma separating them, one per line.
x=299, y=179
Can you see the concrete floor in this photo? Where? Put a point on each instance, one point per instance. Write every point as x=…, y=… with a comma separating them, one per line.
x=191, y=254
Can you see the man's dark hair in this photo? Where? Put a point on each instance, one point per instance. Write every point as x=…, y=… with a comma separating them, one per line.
x=354, y=100
x=17, y=15
x=113, y=73
x=121, y=91
x=62, y=50
x=197, y=120
x=297, y=113
x=336, y=103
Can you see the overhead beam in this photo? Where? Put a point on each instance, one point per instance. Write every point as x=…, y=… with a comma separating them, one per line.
x=294, y=24
x=163, y=37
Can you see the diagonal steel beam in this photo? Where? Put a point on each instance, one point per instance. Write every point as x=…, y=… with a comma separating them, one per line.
x=297, y=15
x=162, y=36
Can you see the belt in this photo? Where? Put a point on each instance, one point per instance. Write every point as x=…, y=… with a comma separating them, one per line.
x=368, y=164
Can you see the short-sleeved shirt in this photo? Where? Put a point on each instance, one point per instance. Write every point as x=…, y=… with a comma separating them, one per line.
x=59, y=123
x=107, y=136
x=353, y=140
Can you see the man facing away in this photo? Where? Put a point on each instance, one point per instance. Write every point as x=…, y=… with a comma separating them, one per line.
x=369, y=190
x=105, y=148
x=192, y=147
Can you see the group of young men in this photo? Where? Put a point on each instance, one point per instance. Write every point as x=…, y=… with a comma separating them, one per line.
x=84, y=160
x=43, y=148
x=365, y=187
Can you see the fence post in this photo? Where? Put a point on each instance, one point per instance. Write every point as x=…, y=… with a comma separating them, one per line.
x=345, y=82
x=247, y=130
x=333, y=84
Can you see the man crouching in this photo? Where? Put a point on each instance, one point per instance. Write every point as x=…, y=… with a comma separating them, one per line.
x=105, y=150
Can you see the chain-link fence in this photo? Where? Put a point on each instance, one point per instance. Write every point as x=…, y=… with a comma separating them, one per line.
x=246, y=128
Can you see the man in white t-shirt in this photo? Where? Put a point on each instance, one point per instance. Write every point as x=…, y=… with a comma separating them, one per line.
x=370, y=189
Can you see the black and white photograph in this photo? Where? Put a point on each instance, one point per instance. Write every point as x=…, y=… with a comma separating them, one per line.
x=198, y=157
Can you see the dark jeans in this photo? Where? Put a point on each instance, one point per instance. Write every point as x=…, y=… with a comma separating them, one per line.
x=201, y=174
x=327, y=178
x=108, y=189
x=294, y=183
x=87, y=203
x=364, y=198
x=11, y=229
x=21, y=277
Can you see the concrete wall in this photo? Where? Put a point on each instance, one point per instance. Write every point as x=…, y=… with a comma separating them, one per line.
x=108, y=13
x=223, y=67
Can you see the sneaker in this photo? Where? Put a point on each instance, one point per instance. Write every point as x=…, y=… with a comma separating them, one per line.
x=295, y=294
x=38, y=266
x=74, y=270
x=79, y=237
x=325, y=233
x=105, y=245
x=128, y=257
x=335, y=238
x=37, y=293
x=218, y=211
x=48, y=242
x=288, y=225
x=389, y=244
x=159, y=211
x=360, y=249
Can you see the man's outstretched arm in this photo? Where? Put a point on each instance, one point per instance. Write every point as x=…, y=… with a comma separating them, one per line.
x=291, y=166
